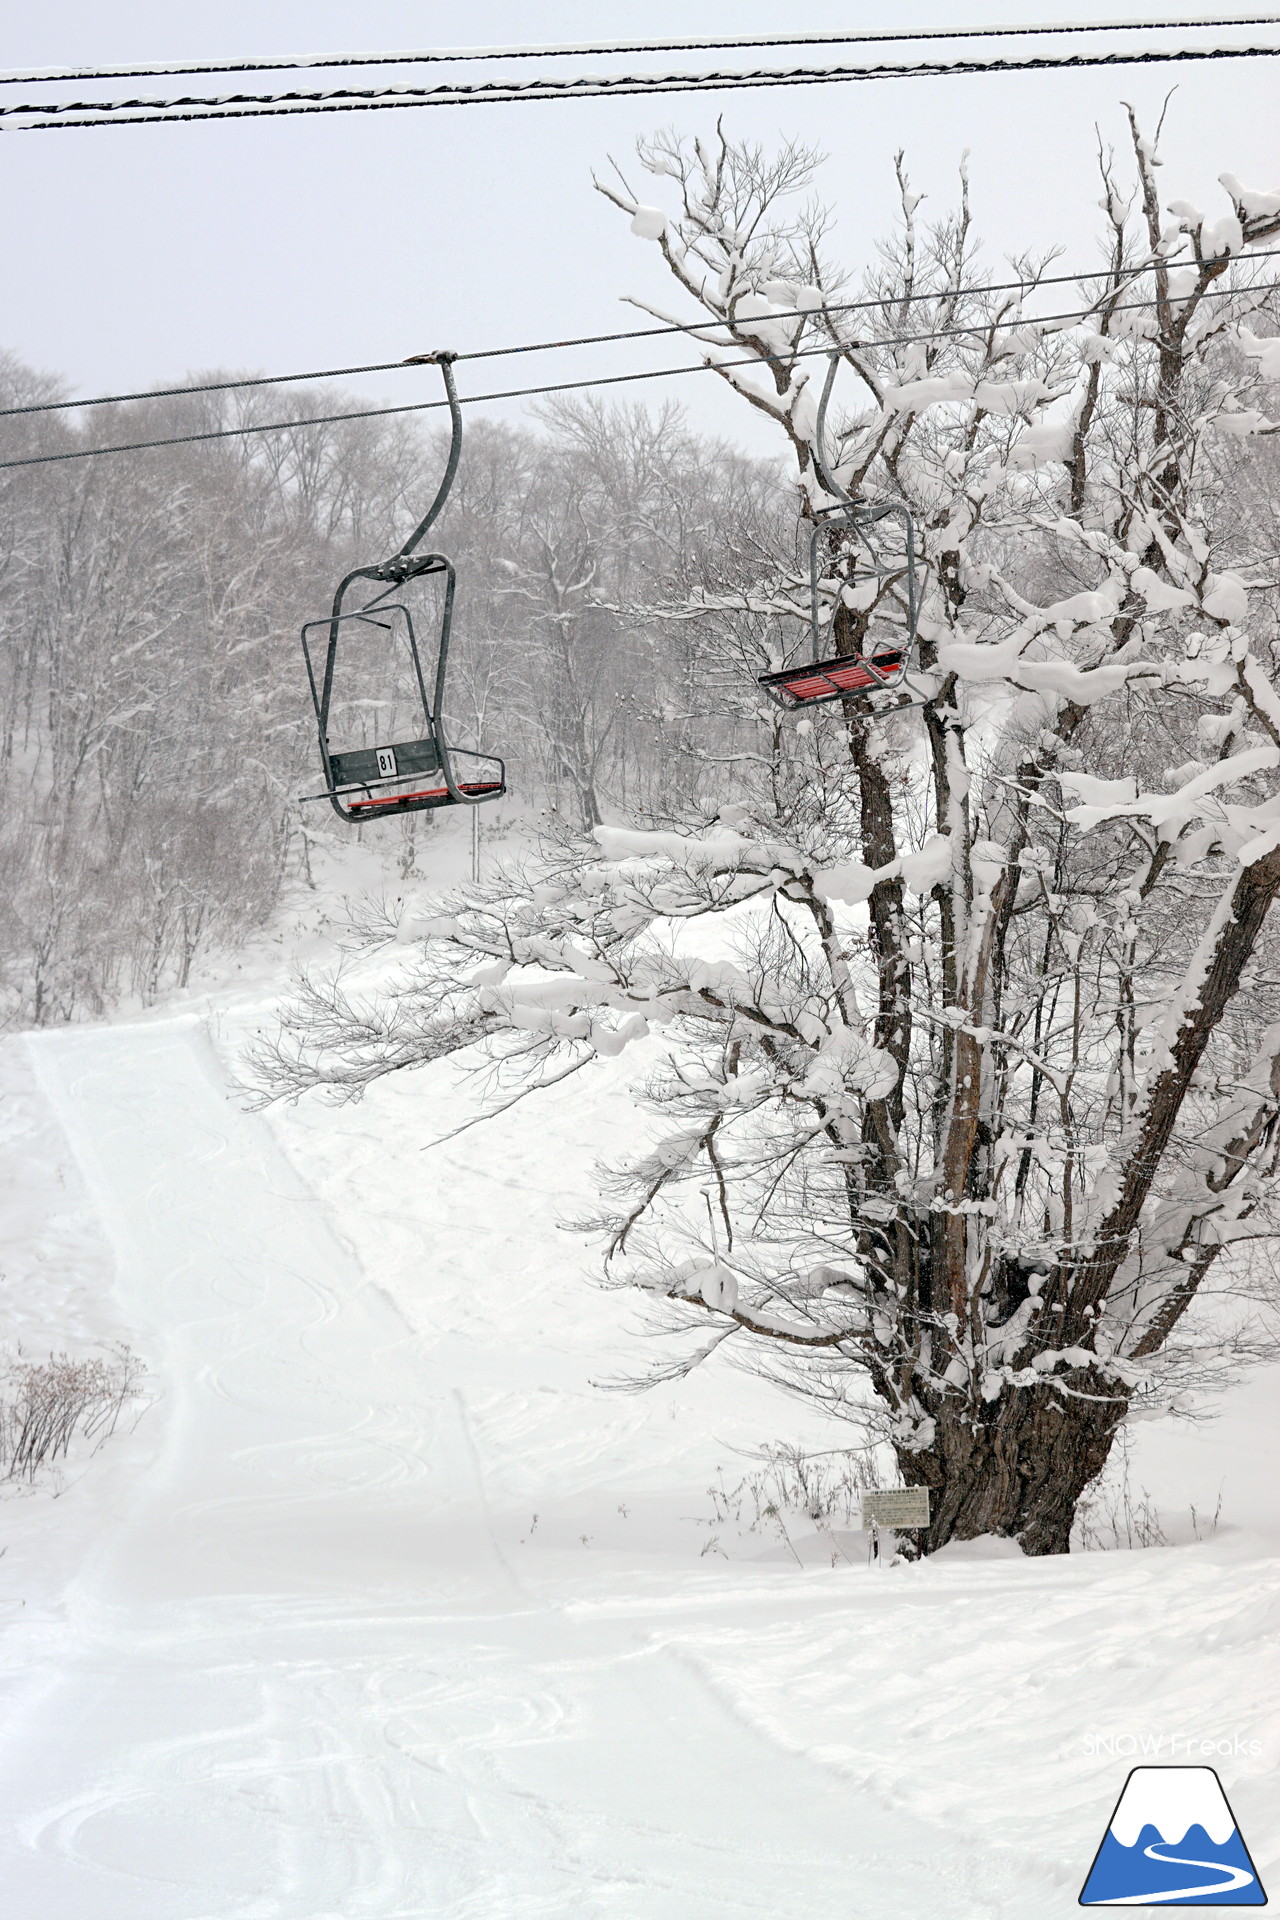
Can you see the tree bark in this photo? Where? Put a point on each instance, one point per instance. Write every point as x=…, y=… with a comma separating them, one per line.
x=1017, y=1467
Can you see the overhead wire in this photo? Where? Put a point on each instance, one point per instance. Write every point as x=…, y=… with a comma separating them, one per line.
x=605, y=48
x=230, y=386
x=149, y=112
x=602, y=380
x=691, y=327
x=676, y=82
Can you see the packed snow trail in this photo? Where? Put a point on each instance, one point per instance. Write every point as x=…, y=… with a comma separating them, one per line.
x=300, y=1680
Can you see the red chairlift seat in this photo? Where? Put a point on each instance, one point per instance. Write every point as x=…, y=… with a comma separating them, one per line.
x=812, y=683
x=432, y=797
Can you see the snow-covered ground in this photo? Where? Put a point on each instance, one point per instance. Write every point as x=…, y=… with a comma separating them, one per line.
x=383, y=1608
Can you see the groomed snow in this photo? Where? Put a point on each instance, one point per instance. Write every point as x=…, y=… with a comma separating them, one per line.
x=296, y=1648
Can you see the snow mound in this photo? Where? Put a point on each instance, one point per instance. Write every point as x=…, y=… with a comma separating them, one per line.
x=988, y=1546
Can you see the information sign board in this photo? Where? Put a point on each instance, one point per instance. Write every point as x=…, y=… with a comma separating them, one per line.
x=904, y=1508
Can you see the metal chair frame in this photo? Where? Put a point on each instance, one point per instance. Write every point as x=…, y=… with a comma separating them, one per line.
x=367, y=769
x=849, y=676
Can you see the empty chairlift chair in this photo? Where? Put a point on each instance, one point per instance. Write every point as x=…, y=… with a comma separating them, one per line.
x=368, y=782
x=870, y=550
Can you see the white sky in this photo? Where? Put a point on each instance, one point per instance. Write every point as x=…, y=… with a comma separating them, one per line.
x=137, y=255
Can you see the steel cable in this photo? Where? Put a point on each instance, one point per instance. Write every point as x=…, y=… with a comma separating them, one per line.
x=690, y=327
x=145, y=112
x=603, y=380
x=602, y=49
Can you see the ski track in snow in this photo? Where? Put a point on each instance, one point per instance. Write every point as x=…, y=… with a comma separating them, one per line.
x=300, y=1675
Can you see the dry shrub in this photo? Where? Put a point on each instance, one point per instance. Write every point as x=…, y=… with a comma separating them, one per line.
x=45, y=1404
x=824, y=1488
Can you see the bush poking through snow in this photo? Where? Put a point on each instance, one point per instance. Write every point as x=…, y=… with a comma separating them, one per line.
x=1111, y=1514
x=823, y=1489
x=45, y=1404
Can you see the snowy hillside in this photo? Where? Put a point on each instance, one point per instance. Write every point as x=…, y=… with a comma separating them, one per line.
x=385, y=1609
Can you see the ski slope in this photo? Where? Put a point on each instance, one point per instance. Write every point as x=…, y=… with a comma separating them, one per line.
x=297, y=1648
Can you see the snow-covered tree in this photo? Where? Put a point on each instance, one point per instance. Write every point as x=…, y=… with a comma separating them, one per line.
x=964, y=1043
x=564, y=540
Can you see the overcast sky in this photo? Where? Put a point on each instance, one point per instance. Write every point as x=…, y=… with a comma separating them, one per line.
x=136, y=255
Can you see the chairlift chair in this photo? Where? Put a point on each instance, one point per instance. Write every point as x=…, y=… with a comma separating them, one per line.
x=402, y=776
x=863, y=570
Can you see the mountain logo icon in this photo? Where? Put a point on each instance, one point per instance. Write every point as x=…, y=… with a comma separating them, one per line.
x=1172, y=1842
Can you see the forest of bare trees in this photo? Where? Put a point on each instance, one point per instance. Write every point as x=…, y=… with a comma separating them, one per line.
x=157, y=728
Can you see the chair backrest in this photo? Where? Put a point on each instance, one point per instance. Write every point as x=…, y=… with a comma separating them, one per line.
x=398, y=762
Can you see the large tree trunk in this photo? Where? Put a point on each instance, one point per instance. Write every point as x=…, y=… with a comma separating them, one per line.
x=1018, y=1467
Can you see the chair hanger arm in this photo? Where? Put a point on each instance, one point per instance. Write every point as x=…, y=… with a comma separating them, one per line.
x=445, y=363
